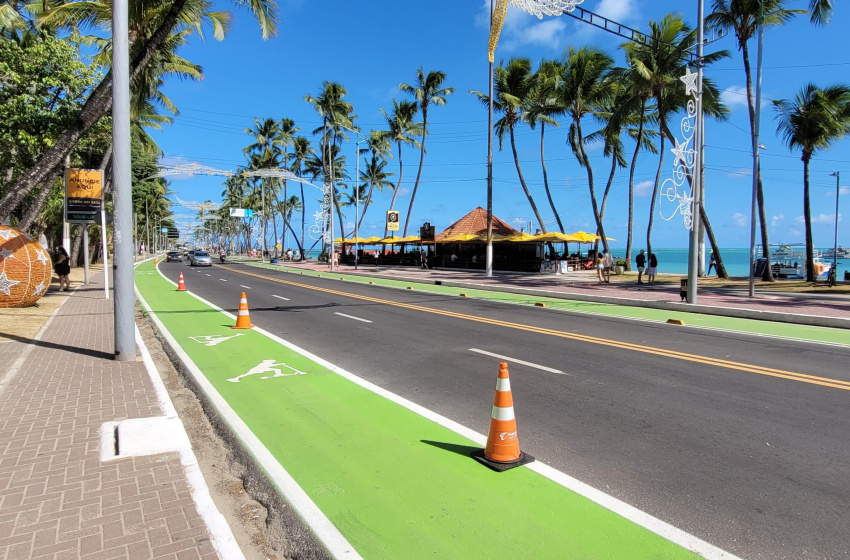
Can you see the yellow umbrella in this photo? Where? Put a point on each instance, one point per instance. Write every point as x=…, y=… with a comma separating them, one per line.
x=408, y=239
x=462, y=238
x=370, y=241
x=517, y=237
x=557, y=237
x=584, y=237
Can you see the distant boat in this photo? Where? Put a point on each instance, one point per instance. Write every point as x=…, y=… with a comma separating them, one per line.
x=842, y=253
x=786, y=262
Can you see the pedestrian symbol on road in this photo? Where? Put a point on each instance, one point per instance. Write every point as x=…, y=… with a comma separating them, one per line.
x=212, y=340
x=268, y=366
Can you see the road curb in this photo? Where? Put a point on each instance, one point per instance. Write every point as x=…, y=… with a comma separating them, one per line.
x=735, y=312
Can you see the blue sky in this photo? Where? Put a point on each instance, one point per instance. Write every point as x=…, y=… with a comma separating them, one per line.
x=369, y=47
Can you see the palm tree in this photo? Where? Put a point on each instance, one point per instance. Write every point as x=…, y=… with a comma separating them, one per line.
x=585, y=89
x=541, y=108
x=401, y=129
x=660, y=62
x=512, y=85
x=285, y=133
x=337, y=115
x=427, y=90
x=265, y=153
x=150, y=28
x=743, y=17
x=374, y=175
x=301, y=150
x=811, y=122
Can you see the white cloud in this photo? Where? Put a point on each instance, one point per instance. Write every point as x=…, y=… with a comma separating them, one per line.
x=844, y=190
x=618, y=10
x=795, y=232
x=819, y=219
x=739, y=219
x=776, y=219
x=644, y=189
x=734, y=96
x=404, y=191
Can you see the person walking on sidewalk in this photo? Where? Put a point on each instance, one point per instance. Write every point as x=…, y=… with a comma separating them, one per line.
x=63, y=269
x=607, y=263
x=641, y=264
x=653, y=268
x=600, y=267
x=712, y=263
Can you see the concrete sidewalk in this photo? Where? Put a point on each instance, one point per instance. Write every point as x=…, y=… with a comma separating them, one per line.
x=807, y=309
x=60, y=496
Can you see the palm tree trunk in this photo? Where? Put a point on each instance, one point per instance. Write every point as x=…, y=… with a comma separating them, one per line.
x=295, y=236
x=718, y=259
x=397, y=185
x=654, y=196
x=600, y=230
x=303, y=220
x=418, y=173
x=768, y=275
x=546, y=180
x=807, y=216
x=96, y=106
x=35, y=208
x=524, y=186
x=632, y=186
x=366, y=205
x=607, y=190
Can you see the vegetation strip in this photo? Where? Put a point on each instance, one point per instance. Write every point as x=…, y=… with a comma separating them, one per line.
x=707, y=360
x=395, y=483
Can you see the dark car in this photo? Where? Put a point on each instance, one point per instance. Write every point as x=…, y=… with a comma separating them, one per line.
x=172, y=256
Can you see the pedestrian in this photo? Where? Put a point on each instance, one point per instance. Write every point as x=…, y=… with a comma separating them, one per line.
x=607, y=263
x=63, y=269
x=653, y=268
x=712, y=263
x=641, y=264
x=600, y=267
x=423, y=259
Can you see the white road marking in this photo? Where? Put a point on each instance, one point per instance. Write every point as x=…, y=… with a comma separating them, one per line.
x=281, y=297
x=209, y=274
x=352, y=317
x=509, y=359
x=222, y=279
x=244, y=286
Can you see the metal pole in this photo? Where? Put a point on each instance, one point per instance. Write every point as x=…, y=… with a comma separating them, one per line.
x=835, y=246
x=122, y=199
x=488, y=267
x=85, y=252
x=265, y=220
x=147, y=229
x=693, y=253
x=357, y=200
x=756, y=155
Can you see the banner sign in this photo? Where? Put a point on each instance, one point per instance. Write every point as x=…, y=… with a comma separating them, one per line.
x=392, y=220
x=426, y=232
x=83, y=195
x=241, y=213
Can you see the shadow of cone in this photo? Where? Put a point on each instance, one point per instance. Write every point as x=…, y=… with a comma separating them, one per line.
x=181, y=285
x=502, y=451
x=243, y=318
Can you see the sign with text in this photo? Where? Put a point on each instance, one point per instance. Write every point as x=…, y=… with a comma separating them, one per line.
x=241, y=213
x=426, y=232
x=392, y=220
x=83, y=195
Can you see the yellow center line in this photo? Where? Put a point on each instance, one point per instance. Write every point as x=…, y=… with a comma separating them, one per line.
x=707, y=360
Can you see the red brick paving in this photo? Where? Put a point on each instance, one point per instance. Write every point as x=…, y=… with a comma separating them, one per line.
x=58, y=500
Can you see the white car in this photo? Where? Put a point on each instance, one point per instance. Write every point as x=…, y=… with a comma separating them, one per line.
x=200, y=258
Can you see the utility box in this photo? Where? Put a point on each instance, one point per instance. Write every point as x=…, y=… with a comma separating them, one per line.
x=683, y=288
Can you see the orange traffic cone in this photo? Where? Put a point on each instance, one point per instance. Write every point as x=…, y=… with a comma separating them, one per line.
x=243, y=318
x=502, y=451
x=181, y=285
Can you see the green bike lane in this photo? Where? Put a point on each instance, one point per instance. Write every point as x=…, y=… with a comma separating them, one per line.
x=731, y=324
x=395, y=483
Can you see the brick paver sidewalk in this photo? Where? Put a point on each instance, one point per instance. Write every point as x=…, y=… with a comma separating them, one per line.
x=58, y=500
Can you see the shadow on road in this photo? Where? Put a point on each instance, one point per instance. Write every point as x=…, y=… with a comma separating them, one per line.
x=465, y=450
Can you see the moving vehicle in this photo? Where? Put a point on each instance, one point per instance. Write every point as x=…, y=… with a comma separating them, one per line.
x=173, y=256
x=200, y=258
x=188, y=255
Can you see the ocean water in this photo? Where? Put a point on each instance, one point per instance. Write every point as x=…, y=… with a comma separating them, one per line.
x=675, y=261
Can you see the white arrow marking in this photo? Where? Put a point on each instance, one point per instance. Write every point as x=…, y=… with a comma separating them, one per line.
x=508, y=359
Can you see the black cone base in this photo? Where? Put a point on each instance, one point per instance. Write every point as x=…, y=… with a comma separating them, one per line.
x=524, y=459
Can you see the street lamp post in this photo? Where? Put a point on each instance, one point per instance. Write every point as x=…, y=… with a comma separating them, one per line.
x=756, y=156
x=837, y=176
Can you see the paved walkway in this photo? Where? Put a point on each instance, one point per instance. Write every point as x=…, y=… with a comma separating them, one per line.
x=585, y=284
x=58, y=500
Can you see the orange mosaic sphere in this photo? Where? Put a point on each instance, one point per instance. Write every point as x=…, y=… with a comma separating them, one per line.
x=25, y=269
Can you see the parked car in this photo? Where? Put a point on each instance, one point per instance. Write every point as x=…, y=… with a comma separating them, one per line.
x=201, y=258
x=173, y=256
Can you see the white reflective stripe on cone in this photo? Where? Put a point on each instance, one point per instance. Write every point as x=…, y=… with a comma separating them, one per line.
x=503, y=384
x=506, y=413
x=243, y=312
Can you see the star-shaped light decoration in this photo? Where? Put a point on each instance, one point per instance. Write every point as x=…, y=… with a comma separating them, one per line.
x=690, y=81
x=318, y=215
x=6, y=284
x=42, y=258
x=679, y=152
x=5, y=253
x=6, y=233
x=38, y=289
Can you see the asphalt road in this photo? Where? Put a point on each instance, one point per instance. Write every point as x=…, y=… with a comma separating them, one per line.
x=751, y=462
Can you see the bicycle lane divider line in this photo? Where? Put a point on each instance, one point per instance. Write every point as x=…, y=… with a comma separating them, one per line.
x=395, y=478
x=675, y=354
x=768, y=329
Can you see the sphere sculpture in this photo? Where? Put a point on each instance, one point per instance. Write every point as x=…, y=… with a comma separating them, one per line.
x=25, y=269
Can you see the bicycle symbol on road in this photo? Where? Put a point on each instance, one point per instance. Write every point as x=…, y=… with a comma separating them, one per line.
x=268, y=366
